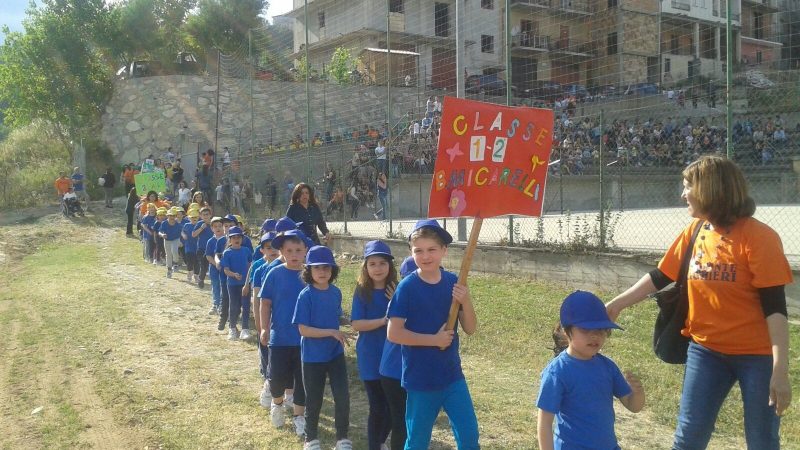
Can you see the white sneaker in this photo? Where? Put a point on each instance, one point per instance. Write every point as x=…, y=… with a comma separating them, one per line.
x=312, y=445
x=288, y=402
x=276, y=415
x=266, y=396
x=169, y=274
x=344, y=444
x=299, y=425
x=245, y=334
x=213, y=311
x=233, y=334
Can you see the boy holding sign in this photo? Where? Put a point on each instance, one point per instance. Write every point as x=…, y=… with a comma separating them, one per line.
x=417, y=317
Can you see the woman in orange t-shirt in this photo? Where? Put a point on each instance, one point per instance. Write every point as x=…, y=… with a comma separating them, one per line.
x=737, y=319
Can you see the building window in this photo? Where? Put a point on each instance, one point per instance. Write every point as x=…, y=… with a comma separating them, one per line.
x=487, y=4
x=759, y=58
x=673, y=44
x=321, y=17
x=441, y=19
x=612, y=4
x=612, y=43
x=396, y=6
x=487, y=43
x=667, y=65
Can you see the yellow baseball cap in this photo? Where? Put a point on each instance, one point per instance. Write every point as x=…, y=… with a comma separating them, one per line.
x=172, y=212
x=161, y=211
x=193, y=213
x=194, y=206
x=178, y=209
x=238, y=218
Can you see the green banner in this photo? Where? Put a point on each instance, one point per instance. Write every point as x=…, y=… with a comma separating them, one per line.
x=153, y=181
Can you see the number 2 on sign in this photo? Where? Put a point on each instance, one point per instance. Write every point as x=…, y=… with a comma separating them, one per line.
x=477, y=148
x=499, y=151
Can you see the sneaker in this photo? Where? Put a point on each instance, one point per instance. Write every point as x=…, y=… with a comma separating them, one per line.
x=221, y=324
x=266, y=396
x=201, y=284
x=188, y=277
x=169, y=274
x=276, y=415
x=213, y=311
x=288, y=401
x=344, y=444
x=299, y=425
x=245, y=334
x=312, y=445
x=155, y=262
x=233, y=334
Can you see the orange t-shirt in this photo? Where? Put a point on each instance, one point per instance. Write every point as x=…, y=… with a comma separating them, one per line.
x=63, y=185
x=727, y=268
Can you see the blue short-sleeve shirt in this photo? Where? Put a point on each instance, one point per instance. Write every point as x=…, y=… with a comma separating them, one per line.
x=282, y=286
x=236, y=260
x=425, y=308
x=581, y=395
x=319, y=309
x=257, y=263
x=190, y=243
x=261, y=275
x=150, y=221
x=211, y=250
x=369, y=346
x=204, y=236
x=173, y=231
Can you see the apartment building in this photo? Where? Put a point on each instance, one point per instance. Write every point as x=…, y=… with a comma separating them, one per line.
x=589, y=42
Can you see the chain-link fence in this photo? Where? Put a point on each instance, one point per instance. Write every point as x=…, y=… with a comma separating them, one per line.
x=334, y=94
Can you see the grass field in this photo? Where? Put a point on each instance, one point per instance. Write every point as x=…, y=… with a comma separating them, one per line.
x=118, y=356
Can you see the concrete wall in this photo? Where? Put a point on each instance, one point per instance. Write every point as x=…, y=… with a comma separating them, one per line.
x=611, y=273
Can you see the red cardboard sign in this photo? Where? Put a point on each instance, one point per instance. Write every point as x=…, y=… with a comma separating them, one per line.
x=492, y=160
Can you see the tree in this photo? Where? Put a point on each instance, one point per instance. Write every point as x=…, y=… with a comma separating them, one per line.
x=341, y=66
x=54, y=70
x=224, y=24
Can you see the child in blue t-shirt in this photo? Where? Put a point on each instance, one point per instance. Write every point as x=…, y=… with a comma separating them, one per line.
x=202, y=231
x=159, y=254
x=190, y=246
x=278, y=295
x=209, y=253
x=317, y=313
x=418, y=315
x=391, y=370
x=222, y=243
x=368, y=317
x=148, y=239
x=235, y=263
x=579, y=385
x=170, y=233
x=269, y=254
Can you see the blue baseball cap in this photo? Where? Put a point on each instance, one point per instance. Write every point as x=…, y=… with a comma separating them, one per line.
x=268, y=225
x=235, y=231
x=284, y=224
x=585, y=310
x=408, y=265
x=230, y=218
x=377, y=248
x=319, y=255
x=268, y=236
x=277, y=242
x=434, y=225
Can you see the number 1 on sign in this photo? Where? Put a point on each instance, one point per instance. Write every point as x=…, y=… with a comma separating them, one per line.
x=477, y=148
x=499, y=151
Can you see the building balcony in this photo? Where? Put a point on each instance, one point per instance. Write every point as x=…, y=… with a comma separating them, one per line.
x=532, y=42
x=578, y=7
x=760, y=37
x=682, y=5
x=573, y=47
x=762, y=5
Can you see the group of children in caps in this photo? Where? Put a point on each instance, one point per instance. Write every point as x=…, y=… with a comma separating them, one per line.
x=409, y=363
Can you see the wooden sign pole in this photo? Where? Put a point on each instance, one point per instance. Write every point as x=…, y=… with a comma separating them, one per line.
x=466, y=263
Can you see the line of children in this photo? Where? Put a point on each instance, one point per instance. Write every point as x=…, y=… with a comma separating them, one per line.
x=409, y=363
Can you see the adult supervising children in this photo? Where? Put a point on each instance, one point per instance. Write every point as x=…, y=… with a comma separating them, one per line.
x=417, y=318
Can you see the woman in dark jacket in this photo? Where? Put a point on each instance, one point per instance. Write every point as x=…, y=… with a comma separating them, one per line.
x=130, y=209
x=304, y=208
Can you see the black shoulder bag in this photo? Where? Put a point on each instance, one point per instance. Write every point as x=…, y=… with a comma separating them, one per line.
x=673, y=305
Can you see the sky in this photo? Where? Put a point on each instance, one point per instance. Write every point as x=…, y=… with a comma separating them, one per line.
x=12, y=12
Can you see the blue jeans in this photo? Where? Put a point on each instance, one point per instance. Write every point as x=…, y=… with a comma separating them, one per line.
x=708, y=378
x=422, y=407
x=216, y=292
x=238, y=304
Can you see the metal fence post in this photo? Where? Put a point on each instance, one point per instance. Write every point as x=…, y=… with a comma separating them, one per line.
x=388, y=138
x=602, y=242
x=507, y=57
